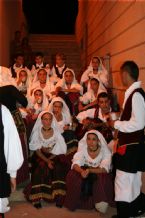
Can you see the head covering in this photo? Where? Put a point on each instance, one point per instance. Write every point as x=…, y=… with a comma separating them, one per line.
x=74, y=84
x=83, y=142
x=101, y=66
x=74, y=77
x=37, y=141
x=6, y=77
x=102, y=74
x=44, y=102
x=65, y=110
x=36, y=74
x=28, y=81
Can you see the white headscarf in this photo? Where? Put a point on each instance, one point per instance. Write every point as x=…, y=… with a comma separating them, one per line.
x=6, y=77
x=44, y=102
x=82, y=149
x=74, y=84
x=101, y=66
x=28, y=80
x=65, y=110
x=36, y=74
x=83, y=142
x=102, y=74
x=37, y=141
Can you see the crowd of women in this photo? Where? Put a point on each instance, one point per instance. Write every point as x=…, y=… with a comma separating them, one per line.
x=62, y=124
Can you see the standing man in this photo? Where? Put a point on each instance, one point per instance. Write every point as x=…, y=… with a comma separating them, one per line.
x=130, y=154
x=11, y=157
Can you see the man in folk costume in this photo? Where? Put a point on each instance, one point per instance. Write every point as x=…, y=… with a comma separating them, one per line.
x=130, y=152
x=11, y=157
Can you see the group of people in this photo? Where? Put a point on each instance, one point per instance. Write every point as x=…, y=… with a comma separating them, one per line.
x=82, y=153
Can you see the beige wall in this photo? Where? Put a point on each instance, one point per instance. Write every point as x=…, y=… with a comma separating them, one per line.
x=11, y=19
x=114, y=27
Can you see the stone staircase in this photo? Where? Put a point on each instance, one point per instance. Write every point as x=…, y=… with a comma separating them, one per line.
x=51, y=44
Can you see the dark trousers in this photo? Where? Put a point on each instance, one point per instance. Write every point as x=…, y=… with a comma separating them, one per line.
x=134, y=208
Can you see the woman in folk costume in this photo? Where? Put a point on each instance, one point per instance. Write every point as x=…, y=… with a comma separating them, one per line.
x=69, y=89
x=41, y=81
x=23, y=81
x=10, y=96
x=62, y=115
x=11, y=157
x=89, y=99
x=89, y=184
x=48, y=172
x=37, y=103
x=96, y=70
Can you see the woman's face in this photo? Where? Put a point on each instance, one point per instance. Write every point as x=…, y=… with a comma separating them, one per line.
x=68, y=76
x=42, y=75
x=38, y=96
x=46, y=120
x=57, y=107
x=23, y=75
x=94, y=85
x=92, y=141
x=95, y=63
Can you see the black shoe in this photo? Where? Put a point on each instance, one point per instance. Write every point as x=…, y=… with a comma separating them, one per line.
x=58, y=205
x=38, y=205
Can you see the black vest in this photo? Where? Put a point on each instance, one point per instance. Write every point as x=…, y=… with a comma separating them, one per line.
x=44, y=65
x=130, y=156
x=5, y=188
x=133, y=137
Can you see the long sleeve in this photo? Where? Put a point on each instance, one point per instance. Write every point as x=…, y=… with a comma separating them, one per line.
x=12, y=144
x=137, y=120
x=83, y=115
x=86, y=98
x=85, y=76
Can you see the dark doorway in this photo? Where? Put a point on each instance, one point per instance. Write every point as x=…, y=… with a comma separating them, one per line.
x=51, y=16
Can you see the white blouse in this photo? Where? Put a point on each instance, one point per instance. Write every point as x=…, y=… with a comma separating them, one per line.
x=53, y=143
x=103, y=159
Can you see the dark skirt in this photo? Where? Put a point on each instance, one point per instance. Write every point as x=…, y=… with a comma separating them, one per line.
x=47, y=184
x=23, y=172
x=72, y=100
x=102, y=190
x=72, y=145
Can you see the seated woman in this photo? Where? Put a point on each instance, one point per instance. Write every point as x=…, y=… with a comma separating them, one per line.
x=48, y=173
x=89, y=99
x=69, y=89
x=89, y=183
x=37, y=103
x=41, y=81
x=62, y=114
x=96, y=70
x=23, y=81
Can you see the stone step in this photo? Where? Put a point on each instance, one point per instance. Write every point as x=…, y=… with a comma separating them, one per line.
x=51, y=44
